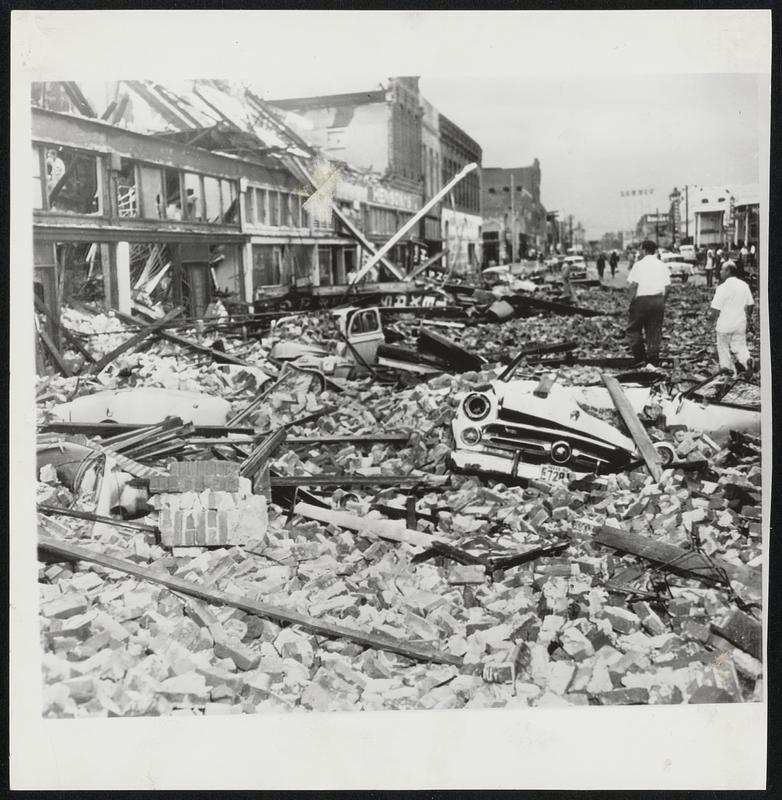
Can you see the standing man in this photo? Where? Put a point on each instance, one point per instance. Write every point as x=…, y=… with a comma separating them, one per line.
x=709, y=268
x=601, y=264
x=648, y=282
x=613, y=262
x=732, y=309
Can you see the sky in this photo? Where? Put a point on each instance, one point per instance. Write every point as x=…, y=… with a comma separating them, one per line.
x=594, y=135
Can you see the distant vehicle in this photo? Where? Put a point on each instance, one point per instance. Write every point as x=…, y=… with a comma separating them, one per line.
x=676, y=266
x=688, y=253
x=579, y=270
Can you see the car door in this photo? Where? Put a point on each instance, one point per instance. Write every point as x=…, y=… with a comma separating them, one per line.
x=365, y=333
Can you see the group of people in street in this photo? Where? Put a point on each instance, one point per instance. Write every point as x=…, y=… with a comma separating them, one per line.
x=613, y=263
x=731, y=310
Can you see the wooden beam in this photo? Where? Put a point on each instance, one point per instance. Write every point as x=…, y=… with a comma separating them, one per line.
x=187, y=343
x=112, y=429
x=384, y=528
x=412, y=222
x=72, y=512
x=688, y=563
x=743, y=631
x=261, y=453
x=134, y=341
x=425, y=266
x=56, y=355
x=319, y=627
x=291, y=481
x=641, y=438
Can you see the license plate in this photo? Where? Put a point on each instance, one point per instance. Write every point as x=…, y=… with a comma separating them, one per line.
x=554, y=474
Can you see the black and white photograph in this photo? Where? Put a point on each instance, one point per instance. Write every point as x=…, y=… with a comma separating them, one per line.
x=388, y=397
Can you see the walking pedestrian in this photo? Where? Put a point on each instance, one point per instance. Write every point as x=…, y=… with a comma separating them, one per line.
x=732, y=310
x=613, y=261
x=648, y=282
x=709, y=268
x=601, y=264
x=567, y=286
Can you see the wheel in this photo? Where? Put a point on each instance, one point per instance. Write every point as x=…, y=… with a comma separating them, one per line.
x=666, y=452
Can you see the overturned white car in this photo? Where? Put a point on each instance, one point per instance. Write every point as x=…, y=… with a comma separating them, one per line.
x=507, y=429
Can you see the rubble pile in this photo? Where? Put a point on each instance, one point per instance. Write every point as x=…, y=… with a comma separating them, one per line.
x=612, y=591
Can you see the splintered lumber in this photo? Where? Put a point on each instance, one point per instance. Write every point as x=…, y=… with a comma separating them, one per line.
x=325, y=479
x=743, y=631
x=67, y=333
x=260, y=454
x=532, y=305
x=507, y=562
x=319, y=627
x=449, y=551
x=127, y=464
x=61, y=363
x=641, y=438
x=160, y=333
x=57, y=511
x=688, y=563
x=425, y=266
x=534, y=350
x=384, y=528
x=112, y=429
x=134, y=341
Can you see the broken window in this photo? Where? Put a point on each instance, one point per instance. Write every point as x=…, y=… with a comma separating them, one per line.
x=274, y=209
x=37, y=184
x=68, y=180
x=173, y=181
x=150, y=272
x=228, y=191
x=267, y=265
x=127, y=199
x=193, y=200
x=260, y=206
x=151, y=191
x=225, y=263
x=212, y=199
x=298, y=260
x=81, y=273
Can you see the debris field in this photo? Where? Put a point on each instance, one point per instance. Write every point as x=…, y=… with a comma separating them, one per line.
x=316, y=551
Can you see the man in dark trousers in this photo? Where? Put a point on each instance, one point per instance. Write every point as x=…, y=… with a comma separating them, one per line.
x=601, y=264
x=648, y=282
x=613, y=261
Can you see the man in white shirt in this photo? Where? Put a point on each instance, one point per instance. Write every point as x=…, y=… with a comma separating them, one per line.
x=648, y=281
x=732, y=309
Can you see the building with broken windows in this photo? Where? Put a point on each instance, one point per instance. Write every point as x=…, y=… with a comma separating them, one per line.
x=395, y=132
x=514, y=219
x=147, y=194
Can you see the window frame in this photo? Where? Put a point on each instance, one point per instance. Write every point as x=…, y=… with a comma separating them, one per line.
x=100, y=188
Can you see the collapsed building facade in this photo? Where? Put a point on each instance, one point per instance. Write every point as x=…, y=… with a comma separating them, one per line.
x=200, y=194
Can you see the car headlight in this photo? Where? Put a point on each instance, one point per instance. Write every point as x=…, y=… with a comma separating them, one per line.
x=561, y=452
x=476, y=406
x=471, y=436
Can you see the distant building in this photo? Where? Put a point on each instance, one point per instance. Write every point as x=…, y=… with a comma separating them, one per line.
x=656, y=227
x=514, y=219
x=726, y=216
x=396, y=132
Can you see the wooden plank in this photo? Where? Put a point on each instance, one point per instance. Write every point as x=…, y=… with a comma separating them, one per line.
x=319, y=627
x=72, y=512
x=69, y=335
x=324, y=479
x=544, y=386
x=384, y=528
x=260, y=454
x=113, y=429
x=689, y=563
x=134, y=341
x=62, y=365
x=641, y=438
x=743, y=631
x=160, y=333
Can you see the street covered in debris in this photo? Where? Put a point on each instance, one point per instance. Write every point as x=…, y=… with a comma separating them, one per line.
x=222, y=531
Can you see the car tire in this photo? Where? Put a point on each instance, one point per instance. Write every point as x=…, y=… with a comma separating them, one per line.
x=666, y=452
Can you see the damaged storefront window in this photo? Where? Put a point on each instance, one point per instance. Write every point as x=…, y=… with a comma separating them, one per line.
x=127, y=198
x=66, y=180
x=81, y=267
x=267, y=265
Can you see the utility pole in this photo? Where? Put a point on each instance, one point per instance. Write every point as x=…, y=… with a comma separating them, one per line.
x=687, y=212
x=512, y=222
x=657, y=226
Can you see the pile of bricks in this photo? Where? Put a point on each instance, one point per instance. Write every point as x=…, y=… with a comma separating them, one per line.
x=585, y=626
